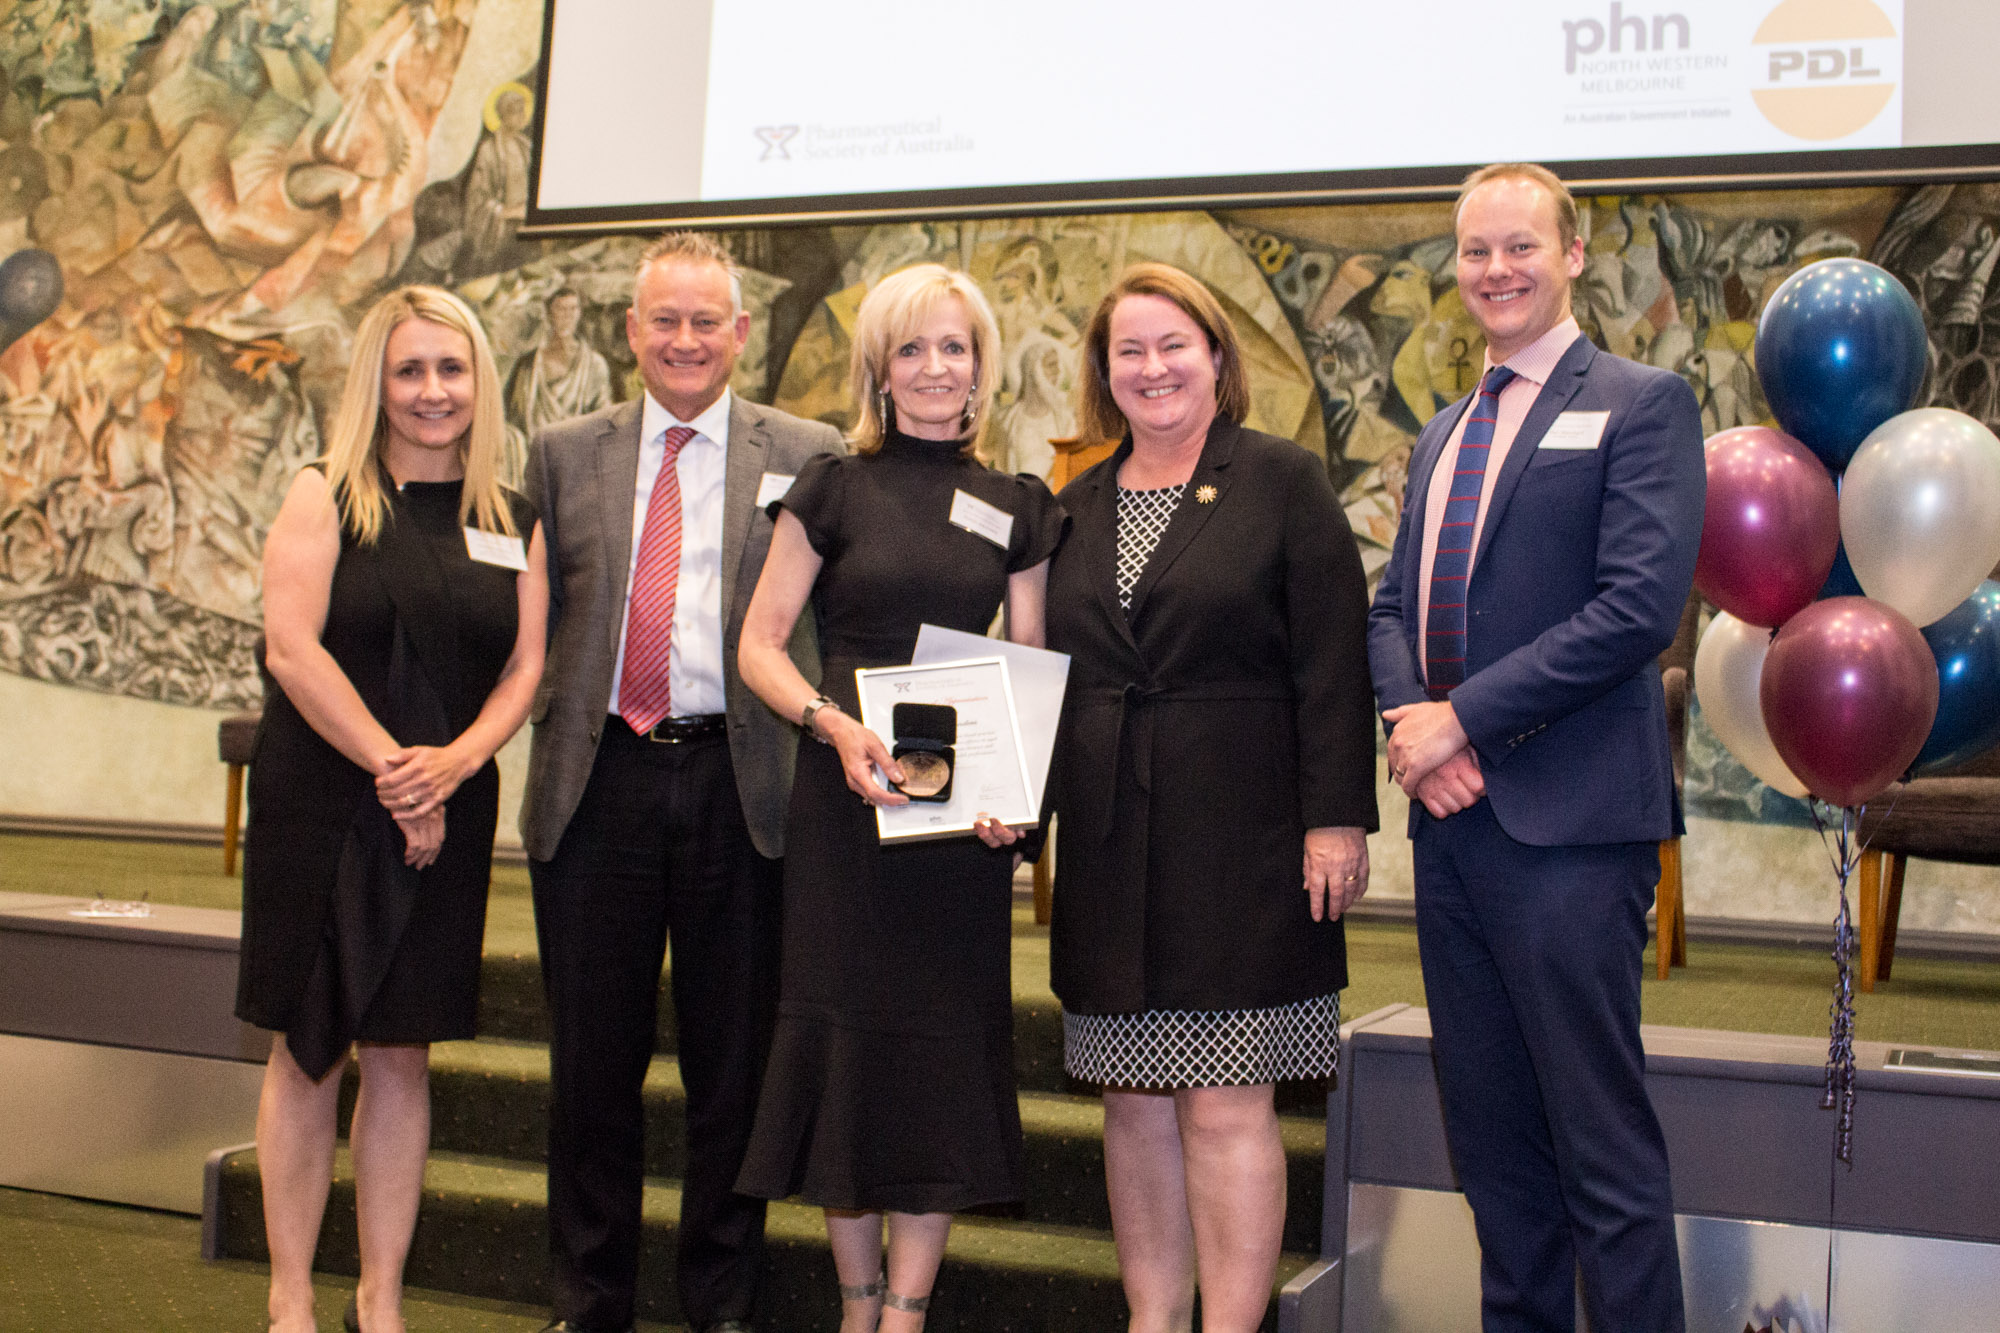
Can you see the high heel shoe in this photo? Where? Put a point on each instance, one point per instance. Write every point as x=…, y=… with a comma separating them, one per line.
x=867, y=1291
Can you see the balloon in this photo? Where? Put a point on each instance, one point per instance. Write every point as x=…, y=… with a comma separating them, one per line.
x=1966, y=644
x=1770, y=528
x=1727, y=666
x=1840, y=349
x=1841, y=582
x=1920, y=511
x=1849, y=692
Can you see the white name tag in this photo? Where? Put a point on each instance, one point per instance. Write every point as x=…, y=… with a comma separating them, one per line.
x=981, y=519
x=773, y=487
x=1576, y=430
x=496, y=548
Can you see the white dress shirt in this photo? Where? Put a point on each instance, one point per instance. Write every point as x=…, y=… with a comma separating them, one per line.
x=695, y=676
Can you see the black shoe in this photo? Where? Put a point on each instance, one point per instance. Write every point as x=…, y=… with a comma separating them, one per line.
x=350, y=1318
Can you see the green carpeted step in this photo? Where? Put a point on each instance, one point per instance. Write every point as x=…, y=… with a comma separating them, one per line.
x=482, y=1233
x=511, y=1008
x=490, y=1099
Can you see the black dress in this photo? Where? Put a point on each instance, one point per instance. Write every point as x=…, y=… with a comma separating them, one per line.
x=891, y=1080
x=342, y=941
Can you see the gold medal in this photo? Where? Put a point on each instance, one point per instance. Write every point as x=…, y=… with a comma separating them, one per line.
x=924, y=774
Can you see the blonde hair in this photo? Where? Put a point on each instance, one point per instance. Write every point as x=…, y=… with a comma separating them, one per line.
x=1097, y=412
x=1559, y=194
x=353, y=456
x=890, y=315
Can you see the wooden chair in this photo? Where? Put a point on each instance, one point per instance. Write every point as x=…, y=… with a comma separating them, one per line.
x=235, y=739
x=1954, y=816
x=1676, y=669
x=1074, y=457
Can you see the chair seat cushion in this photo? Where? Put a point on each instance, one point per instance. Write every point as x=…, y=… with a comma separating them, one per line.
x=1938, y=819
x=236, y=737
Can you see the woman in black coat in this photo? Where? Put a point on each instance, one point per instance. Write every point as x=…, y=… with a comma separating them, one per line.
x=1218, y=735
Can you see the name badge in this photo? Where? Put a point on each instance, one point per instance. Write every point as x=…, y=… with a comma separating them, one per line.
x=1576, y=430
x=981, y=519
x=496, y=548
x=773, y=487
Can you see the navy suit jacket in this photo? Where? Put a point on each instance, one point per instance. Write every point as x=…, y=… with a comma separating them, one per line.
x=1584, y=563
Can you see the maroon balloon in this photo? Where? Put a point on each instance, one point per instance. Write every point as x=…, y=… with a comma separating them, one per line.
x=1849, y=692
x=1771, y=527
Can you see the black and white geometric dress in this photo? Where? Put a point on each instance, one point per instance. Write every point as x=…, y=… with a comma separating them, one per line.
x=1167, y=1048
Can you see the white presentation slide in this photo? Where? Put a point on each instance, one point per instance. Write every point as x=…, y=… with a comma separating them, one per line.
x=718, y=101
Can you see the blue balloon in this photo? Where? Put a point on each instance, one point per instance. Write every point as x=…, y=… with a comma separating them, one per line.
x=1840, y=349
x=1841, y=582
x=1966, y=644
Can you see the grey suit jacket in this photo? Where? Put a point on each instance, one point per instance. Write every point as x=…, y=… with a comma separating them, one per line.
x=581, y=476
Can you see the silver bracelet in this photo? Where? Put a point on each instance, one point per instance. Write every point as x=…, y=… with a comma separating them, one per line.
x=811, y=711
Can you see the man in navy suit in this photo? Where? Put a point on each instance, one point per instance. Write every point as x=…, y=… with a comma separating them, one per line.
x=1547, y=545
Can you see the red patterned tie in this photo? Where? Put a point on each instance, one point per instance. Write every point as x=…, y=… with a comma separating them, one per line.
x=645, y=692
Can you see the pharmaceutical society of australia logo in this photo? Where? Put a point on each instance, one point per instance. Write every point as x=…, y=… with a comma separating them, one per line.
x=1825, y=68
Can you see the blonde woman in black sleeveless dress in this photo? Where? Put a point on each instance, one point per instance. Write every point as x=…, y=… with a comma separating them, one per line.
x=405, y=601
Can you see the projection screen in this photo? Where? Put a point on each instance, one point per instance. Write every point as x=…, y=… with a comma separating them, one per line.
x=727, y=111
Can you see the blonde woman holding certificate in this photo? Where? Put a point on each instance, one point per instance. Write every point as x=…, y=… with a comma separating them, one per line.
x=890, y=1093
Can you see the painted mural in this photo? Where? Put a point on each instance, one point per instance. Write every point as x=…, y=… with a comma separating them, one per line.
x=226, y=187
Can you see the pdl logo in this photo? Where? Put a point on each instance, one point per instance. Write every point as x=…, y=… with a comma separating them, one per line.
x=1829, y=66
x=774, y=138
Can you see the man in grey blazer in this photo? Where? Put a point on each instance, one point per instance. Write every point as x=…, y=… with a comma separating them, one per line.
x=657, y=786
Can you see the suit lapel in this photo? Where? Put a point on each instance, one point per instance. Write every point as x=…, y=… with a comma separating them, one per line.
x=617, y=484
x=743, y=464
x=1563, y=384
x=1093, y=510
x=1191, y=515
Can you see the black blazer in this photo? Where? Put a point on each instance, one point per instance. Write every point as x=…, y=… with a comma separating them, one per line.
x=1204, y=732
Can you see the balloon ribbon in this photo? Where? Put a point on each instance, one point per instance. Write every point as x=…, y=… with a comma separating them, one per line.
x=1846, y=854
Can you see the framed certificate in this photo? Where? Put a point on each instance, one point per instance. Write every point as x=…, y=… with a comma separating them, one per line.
x=991, y=772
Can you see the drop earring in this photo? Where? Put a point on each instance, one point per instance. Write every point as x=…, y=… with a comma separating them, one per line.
x=965, y=417
x=886, y=410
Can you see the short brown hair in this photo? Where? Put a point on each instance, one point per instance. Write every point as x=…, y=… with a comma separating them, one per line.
x=1097, y=414
x=1564, y=201
x=692, y=247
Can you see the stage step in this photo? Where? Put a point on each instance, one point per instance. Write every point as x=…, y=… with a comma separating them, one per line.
x=511, y=1008
x=483, y=1232
x=490, y=1099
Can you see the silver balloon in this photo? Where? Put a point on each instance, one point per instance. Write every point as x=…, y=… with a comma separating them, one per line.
x=1728, y=666
x=1920, y=511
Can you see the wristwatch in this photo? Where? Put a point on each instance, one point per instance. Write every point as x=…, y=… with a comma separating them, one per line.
x=810, y=711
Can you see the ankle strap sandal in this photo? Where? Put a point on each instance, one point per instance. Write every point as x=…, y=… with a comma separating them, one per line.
x=867, y=1291
x=910, y=1304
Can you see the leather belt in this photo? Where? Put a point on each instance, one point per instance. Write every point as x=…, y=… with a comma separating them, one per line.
x=682, y=729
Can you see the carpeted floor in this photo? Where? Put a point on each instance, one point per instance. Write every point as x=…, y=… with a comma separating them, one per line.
x=67, y=1266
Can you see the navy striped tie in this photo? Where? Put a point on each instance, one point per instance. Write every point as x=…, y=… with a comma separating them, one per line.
x=1444, y=630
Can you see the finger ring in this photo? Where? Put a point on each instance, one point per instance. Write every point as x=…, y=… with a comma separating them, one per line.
x=410, y=801
x=1351, y=878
